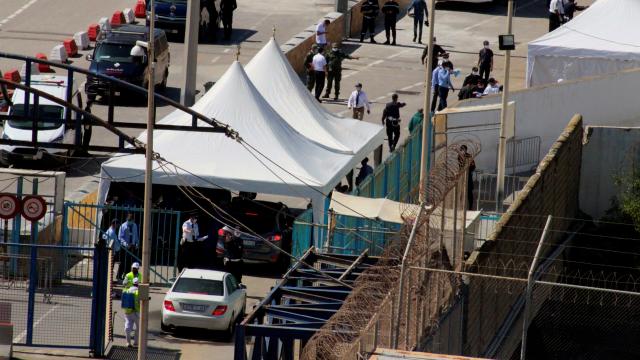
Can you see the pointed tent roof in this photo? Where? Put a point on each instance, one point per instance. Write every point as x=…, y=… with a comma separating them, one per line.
x=279, y=84
x=608, y=28
x=213, y=157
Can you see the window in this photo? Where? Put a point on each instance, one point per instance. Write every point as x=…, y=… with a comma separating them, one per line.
x=113, y=53
x=199, y=286
x=232, y=285
x=50, y=117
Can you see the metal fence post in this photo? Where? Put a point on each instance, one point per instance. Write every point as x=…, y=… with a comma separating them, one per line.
x=176, y=242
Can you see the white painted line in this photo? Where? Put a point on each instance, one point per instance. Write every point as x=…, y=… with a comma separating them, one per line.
x=226, y=50
x=21, y=336
x=215, y=59
x=17, y=12
x=398, y=54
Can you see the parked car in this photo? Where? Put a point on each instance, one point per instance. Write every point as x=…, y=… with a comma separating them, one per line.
x=171, y=15
x=113, y=57
x=205, y=299
x=272, y=221
x=51, y=126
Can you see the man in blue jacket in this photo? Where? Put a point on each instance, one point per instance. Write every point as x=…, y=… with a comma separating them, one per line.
x=419, y=13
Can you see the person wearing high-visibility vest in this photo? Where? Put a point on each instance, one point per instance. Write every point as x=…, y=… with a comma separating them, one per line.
x=132, y=275
x=131, y=307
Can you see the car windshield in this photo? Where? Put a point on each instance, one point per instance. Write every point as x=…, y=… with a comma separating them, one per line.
x=113, y=53
x=50, y=116
x=199, y=286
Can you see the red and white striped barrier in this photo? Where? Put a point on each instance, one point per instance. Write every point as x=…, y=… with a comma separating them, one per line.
x=82, y=40
x=12, y=75
x=43, y=67
x=105, y=25
x=71, y=47
x=117, y=18
x=93, y=32
x=59, y=54
x=129, y=16
x=141, y=9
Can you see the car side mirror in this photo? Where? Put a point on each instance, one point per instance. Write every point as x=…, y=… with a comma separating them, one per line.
x=89, y=57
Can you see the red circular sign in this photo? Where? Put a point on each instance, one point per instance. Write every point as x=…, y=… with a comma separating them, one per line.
x=33, y=207
x=9, y=206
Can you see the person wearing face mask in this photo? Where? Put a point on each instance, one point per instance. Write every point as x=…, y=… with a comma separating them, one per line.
x=485, y=61
x=129, y=240
x=444, y=84
x=334, y=67
x=472, y=79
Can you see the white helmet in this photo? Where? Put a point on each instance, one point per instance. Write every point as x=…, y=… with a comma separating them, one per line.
x=135, y=265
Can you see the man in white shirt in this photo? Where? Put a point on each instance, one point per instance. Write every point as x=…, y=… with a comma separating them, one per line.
x=556, y=14
x=321, y=33
x=190, y=234
x=319, y=64
x=492, y=88
x=358, y=101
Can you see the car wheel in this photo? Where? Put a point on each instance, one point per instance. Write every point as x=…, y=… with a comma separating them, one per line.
x=231, y=329
x=164, y=327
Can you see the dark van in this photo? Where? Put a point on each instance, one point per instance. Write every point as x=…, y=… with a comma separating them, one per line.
x=171, y=15
x=113, y=56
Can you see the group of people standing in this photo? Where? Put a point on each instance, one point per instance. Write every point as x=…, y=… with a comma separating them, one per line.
x=370, y=10
x=562, y=11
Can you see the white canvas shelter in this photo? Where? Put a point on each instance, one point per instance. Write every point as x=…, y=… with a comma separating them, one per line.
x=273, y=76
x=372, y=208
x=213, y=158
x=603, y=39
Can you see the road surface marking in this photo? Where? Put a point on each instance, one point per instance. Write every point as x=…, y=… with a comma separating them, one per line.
x=215, y=59
x=17, y=12
x=21, y=336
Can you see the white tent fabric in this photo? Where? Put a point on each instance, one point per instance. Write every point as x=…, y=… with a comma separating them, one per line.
x=212, y=158
x=273, y=76
x=378, y=208
x=605, y=38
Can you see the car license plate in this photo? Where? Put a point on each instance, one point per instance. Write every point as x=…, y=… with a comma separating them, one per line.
x=192, y=307
x=248, y=243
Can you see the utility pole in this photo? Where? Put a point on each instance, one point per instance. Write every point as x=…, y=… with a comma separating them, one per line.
x=192, y=28
x=502, y=146
x=143, y=289
x=426, y=113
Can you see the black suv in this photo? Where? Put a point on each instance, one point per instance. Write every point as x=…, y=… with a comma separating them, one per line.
x=112, y=57
x=171, y=15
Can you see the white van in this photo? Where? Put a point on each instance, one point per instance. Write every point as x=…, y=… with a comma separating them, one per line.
x=51, y=124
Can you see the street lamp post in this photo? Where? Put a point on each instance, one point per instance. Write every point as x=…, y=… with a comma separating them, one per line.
x=192, y=29
x=502, y=146
x=146, y=223
x=426, y=114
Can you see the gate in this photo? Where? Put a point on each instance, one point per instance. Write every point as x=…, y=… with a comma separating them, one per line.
x=85, y=223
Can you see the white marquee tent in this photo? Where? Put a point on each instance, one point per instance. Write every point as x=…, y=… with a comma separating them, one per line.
x=605, y=38
x=212, y=158
x=273, y=76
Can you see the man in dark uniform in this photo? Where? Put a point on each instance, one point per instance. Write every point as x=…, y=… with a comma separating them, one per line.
x=233, y=252
x=334, y=66
x=391, y=119
x=390, y=9
x=437, y=51
x=308, y=64
x=226, y=15
x=369, y=13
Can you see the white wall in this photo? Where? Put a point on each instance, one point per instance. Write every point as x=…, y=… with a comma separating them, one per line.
x=544, y=111
x=609, y=152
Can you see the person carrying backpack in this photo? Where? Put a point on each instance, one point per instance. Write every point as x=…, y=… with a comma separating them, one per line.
x=131, y=308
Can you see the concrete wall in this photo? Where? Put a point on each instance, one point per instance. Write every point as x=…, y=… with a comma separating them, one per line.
x=602, y=162
x=296, y=48
x=540, y=111
x=553, y=190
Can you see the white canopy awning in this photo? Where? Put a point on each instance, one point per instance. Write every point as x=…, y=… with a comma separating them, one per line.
x=273, y=76
x=380, y=208
x=605, y=38
x=212, y=158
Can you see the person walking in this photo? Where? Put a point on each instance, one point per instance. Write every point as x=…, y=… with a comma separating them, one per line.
x=131, y=308
x=334, y=67
x=365, y=170
x=321, y=33
x=358, y=100
x=308, y=64
x=111, y=239
x=485, y=60
x=444, y=84
x=390, y=9
x=391, y=120
x=129, y=240
x=319, y=64
x=233, y=249
x=556, y=14
x=131, y=276
x=188, y=243
x=420, y=13
x=227, y=7
x=416, y=120
x=369, y=12
x=435, y=87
